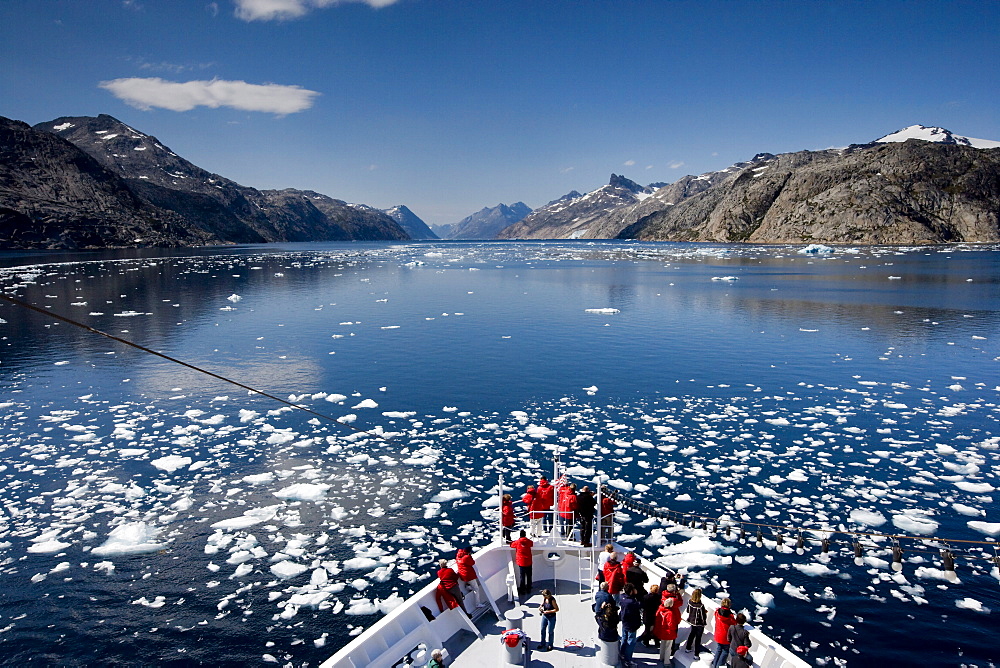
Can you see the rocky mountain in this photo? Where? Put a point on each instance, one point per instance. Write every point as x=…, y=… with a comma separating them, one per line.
x=886, y=192
x=572, y=215
x=487, y=222
x=610, y=224
x=53, y=195
x=210, y=207
x=409, y=221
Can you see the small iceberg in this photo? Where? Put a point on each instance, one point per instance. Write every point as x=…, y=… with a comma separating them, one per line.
x=602, y=311
x=815, y=249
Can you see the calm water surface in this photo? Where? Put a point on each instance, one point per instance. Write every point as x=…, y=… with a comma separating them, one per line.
x=154, y=515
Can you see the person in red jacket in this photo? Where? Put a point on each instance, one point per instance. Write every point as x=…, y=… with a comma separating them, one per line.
x=468, y=579
x=724, y=618
x=668, y=618
x=607, y=518
x=522, y=557
x=448, y=586
x=615, y=578
x=567, y=509
x=507, y=517
x=544, y=496
x=530, y=500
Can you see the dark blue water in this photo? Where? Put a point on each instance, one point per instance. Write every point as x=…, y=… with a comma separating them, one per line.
x=855, y=390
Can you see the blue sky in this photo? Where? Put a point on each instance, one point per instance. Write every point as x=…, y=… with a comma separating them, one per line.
x=448, y=106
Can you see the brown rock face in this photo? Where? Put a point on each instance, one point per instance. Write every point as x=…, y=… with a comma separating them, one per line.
x=915, y=192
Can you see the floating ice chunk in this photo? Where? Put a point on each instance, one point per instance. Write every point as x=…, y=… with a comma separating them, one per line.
x=361, y=564
x=963, y=509
x=975, y=487
x=871, y=518
x=602, y=311
x=815, y=249
x=779, y=422
x=934, y=573
x=537, y=431
x=367, y=403
x=248, y=519
x=130, y=538
x=234, y=298
x=592, y=390
x=303, y=491
x=683, y=497
x=336, y=398
x=247, y=415
x=972, y=604
x=258, y=478
x=308, y=599
x=106, y=566
x=48, y=546
x=763, y=599
x=915, y=523
x=449, y=495
x=796, y=592
x=361, y=606
x=986, y=528
x=171, y=463
x=815, y=570
x=729, y=279
x=288, y=569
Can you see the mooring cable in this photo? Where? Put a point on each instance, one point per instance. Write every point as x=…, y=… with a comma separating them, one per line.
x=94, y=330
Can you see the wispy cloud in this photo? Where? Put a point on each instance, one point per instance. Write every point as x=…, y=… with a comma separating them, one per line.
x=279, y=10
x=184, y=96
x=566, y=170
x=676, y=165
x=629, y=163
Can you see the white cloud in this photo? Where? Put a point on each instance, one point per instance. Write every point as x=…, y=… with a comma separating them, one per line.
x=184, y=96
x=566, y=170
x=629, y=163
x=676, y=165
x=270, y=10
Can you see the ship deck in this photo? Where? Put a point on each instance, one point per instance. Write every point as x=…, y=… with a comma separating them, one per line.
x=575, y=635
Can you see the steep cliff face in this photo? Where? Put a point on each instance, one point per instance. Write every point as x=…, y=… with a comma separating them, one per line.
x=53, y=195
x=894, y=193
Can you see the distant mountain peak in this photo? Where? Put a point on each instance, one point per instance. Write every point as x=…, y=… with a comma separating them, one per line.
x=937, y=135
x=619, y=181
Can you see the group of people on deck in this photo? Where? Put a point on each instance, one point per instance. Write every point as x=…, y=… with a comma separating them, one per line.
x=575, y=508
x=623, y=606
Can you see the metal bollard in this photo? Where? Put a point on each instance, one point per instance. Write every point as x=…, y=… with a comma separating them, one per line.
x=607, y=652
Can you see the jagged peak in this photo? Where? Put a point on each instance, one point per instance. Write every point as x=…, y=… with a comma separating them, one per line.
x=619, y=181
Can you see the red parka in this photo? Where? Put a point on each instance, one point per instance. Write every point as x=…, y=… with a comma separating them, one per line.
x=567, y=503
x=507, y=513
x=614, y=576
x=448, y=578
x=522, y=551
x=544, y=494
x=667, y=621
x=466, y=565
x=724, y=618
x=607, y=505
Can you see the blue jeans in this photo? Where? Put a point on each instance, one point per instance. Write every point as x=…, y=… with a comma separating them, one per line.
x=628, y=643
x=549, y=622
x=721, y=656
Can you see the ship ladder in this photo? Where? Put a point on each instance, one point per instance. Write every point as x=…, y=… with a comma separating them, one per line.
x=586, y=571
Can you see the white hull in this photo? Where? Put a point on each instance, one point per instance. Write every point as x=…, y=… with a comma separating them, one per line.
x=406, y=632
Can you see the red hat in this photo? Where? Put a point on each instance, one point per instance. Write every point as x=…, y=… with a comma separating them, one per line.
x=742, y=650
